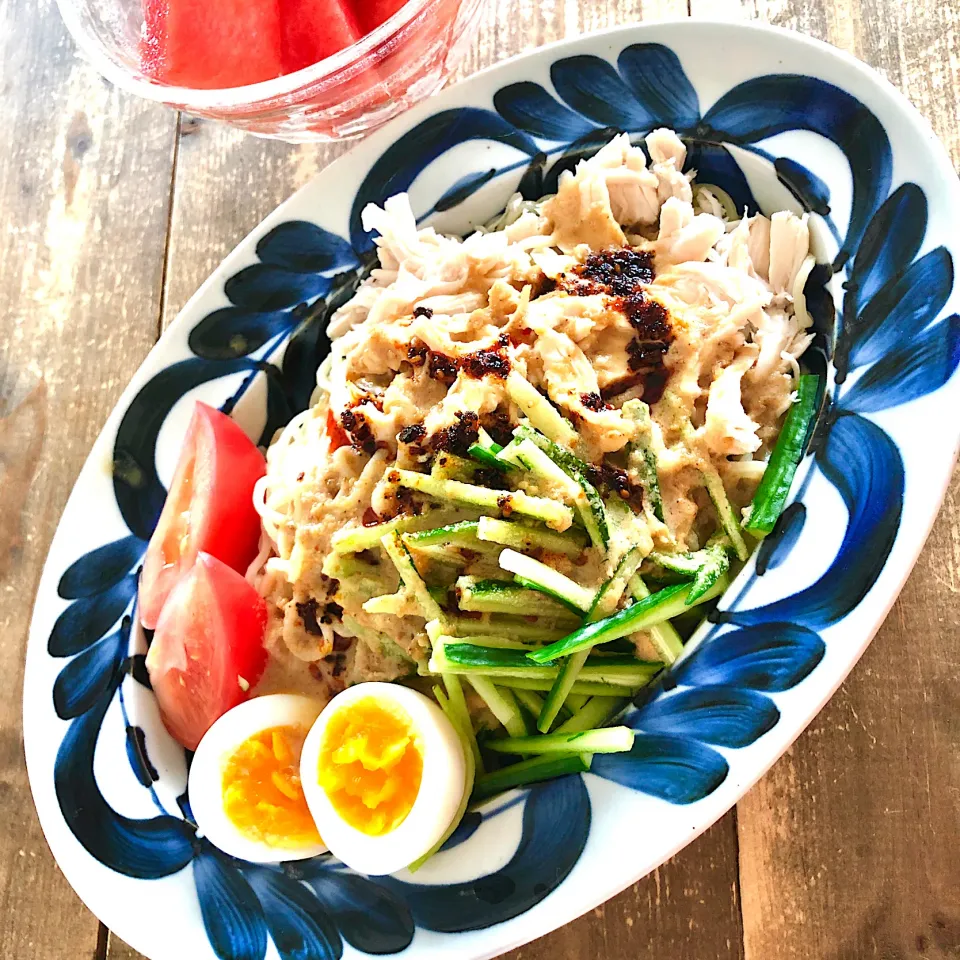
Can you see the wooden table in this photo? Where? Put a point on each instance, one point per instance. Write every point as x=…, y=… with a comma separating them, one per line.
x=115, y=210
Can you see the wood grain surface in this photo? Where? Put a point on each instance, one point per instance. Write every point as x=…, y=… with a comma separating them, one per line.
x=114, y=211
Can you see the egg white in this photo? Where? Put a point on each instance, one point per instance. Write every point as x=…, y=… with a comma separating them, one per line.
x=438, y=800
x=206, y=773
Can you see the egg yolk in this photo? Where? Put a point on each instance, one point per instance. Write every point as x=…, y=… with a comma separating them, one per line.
x=262, y=795
x=371, y=765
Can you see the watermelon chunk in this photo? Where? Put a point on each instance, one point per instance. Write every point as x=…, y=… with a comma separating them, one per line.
x=312, y=30
x=371, y=13
x=211, y=43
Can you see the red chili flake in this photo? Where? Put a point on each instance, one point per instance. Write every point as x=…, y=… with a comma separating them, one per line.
x=357, y=428
x=492, y=362
x=338, y=438
x=417, y=353
x=594, y=402
x=425, y=312
x=370, y=517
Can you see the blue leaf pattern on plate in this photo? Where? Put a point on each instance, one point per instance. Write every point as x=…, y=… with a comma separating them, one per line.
x=902, y=308
x=100, y=569
x=86, y=620
x=593, y=88
x=922, y=364
x=776, y=547
x=299, y=925
x=714, y=165
x=655, y=75
x=306, y=248
x=88, y=676
x=530, y=108
x=721, y=715
x=675, y=769
x=369, y=916
x=772, y=657
x=231, y=913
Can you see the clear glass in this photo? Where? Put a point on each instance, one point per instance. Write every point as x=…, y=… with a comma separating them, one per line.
x=404, y=60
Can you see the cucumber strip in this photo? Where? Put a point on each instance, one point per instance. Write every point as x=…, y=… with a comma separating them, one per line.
x=531, y=701
x=520, y=536
x=488, y=458
x=470, y=772
x=771, y=495
x=705, y=566
x=538, y=576
x=582, y=688
x=660, y=606
x=460, y=716
x=539, y=411
x=567, y=676
x=449, y=466
x=488, y=625
x=463, y=532
x=664, y=635
x=594, y=713
x=553, y=514
x=364, y=538
x=502, y=596
x=605, y=740
x=342, y=566
x=531, y=458
x=641, y=458
x=576, y=700
x=502, y=704
x=616, y=669
x=606, y=602
x=486, y=442
x=591, y=508
x=502, y=643
x=725, y=512
x=400, y=555
x=528, y=771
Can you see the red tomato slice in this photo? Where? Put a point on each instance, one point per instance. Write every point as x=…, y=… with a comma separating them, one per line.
x=211, y=43
x=311, y=30
x=209, y=508
x=207, y=650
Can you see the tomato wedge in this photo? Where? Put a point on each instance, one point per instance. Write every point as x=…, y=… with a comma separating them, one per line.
x=208, y=650
x=209, y=508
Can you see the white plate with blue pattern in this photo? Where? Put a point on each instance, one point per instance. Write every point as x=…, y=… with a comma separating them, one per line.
x=778, y=121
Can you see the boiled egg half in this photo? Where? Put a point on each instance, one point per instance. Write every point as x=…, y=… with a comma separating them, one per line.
x=383, y=771
x=245, y=790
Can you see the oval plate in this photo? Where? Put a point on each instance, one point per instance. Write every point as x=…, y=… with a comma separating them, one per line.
x=778, y=121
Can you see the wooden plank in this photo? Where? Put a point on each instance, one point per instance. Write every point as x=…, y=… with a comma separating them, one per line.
x=85, y=178
x=848, y=846
x=688, y=909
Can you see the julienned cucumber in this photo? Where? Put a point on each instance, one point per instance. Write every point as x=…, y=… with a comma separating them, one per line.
x=525, y=537
x=725, y=512
x=664, y=636
x=498, y=662
x=607, y=740
x=502, y=596
x=596, y=711
x=463, y=532
x=502, y=704
x=591, y=508
x=538, y=576
x=774, y=488
x=412, y=581
x=581, y=689
x=541, y=413
x=529, y=771
x=605, y=603
x=663, y=605
x=514, y=628
x=554, y=514
x=641, y=458
x=705, y=566
x=485, y=451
